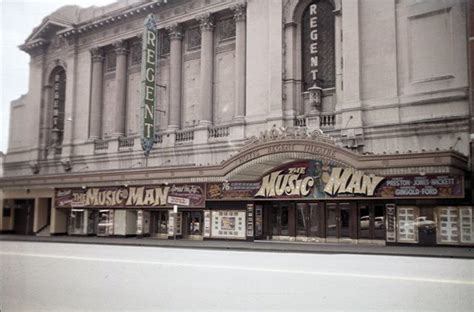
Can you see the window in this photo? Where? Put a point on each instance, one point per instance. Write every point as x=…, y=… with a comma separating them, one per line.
x=318, y=45
x=164, y=43
x=110, y=61
x=193, y=38
x=226, y=29
x=136, y=53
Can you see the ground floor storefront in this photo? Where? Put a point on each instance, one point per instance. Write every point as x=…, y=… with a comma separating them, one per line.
x=294, y=190
x=318, y=222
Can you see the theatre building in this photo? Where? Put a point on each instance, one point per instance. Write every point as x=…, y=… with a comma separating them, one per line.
x=313, y=121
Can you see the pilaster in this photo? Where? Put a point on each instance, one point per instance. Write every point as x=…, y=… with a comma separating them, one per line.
x=121, y=115
x=98, y=58
x=207, y=24
x=174, y=109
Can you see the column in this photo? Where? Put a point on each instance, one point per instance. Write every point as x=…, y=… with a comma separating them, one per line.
x=240, y=60
x=290, y=108
x=207, y=71
x=120, y=88
x=96, y=93
x=174, y=109
x=351, y=66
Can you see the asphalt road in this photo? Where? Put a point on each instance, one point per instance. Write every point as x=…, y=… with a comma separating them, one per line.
x=76, y=277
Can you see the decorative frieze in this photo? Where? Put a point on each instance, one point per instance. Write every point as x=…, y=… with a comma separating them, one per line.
x=282, y=133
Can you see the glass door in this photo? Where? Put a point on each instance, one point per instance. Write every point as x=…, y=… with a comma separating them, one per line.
x=371, y=222
x=106, y=222
x=76, y=221
x=160, y=223
x=279, y=220
x=338, y=220
x=193, y=223
x=307, y=219
x=344, y=222
x=332, y=218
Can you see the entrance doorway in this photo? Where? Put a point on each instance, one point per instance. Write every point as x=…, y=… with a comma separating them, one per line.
x=339, y=220
x=308, y=219
x=279, y=218
x=371, y=221
x=159, y=223
x=192, y=223
x=105, y=226
x=23, y=216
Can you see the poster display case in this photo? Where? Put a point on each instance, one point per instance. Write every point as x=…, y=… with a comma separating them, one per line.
x=448, y=225
x=406, y=224
x=228, y=224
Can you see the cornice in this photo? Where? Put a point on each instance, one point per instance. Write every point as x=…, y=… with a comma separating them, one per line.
x=112, y=18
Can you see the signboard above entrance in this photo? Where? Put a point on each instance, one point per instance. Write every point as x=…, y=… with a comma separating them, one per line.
x=132, y=196
x=321, y=179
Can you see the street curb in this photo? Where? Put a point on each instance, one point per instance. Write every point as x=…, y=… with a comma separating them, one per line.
x=284, y=248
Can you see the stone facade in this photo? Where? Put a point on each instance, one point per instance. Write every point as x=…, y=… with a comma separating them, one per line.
x=232, y=70
x=242, y=74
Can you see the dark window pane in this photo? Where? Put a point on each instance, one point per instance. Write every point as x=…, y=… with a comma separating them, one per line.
x=193, y=38
x=379, y=222
x=364, y=222
x=226, y=29
x=345, y=222
x=136, y=53
x=331, y=227
x=314, y=219
x=284, y=220
x=301, y=220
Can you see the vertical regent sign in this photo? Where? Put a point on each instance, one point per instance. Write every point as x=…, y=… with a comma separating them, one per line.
x=149, y=54
x=313, y=47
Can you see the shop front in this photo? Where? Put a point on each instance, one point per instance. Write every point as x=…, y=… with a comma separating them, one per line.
x=319, y=201
x=134, y=210
x=281, y=187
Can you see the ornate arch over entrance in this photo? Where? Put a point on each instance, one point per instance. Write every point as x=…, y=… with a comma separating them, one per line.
x=280, y=146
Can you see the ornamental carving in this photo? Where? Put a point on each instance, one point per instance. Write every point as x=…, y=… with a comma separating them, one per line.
x=175, y=32
x=97, y=55
x=206, y=21
x=240, y=11
x=120, y=47
x=286, y=133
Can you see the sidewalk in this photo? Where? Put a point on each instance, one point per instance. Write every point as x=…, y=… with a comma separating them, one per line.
x=265, y=246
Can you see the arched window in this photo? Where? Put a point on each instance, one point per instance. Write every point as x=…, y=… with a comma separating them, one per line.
x=318, y=59
x=58, y=79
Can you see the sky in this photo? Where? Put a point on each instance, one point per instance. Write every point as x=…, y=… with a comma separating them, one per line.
x=17, y=20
